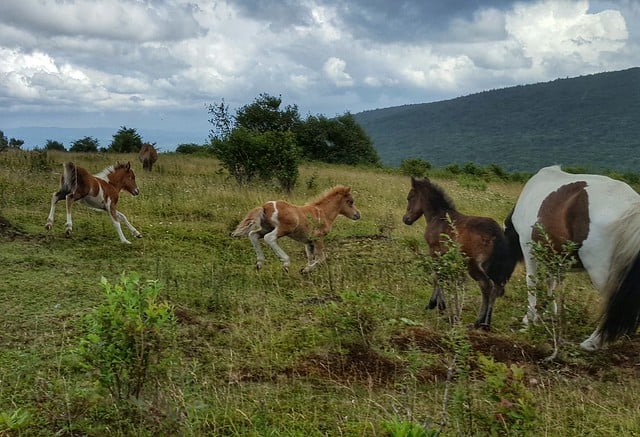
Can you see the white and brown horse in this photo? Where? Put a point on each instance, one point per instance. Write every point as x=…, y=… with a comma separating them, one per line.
x=600, y=215
x=481, y=240
x=307, y=224
x=148, y=155
x=98, y=191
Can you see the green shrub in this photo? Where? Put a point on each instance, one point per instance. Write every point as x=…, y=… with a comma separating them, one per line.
x=130, y=337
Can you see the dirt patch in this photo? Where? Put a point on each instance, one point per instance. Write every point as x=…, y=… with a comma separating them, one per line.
x=360, y=364
x=7, y=230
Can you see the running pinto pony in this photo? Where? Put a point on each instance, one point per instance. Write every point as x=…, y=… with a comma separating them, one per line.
x=307, y=224
x=98, y=191
x=600, y=215
x=481, y=240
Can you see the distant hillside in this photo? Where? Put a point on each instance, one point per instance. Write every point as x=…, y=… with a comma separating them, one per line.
x=589, y=121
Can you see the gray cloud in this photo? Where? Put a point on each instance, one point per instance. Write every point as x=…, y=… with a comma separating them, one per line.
x=133, y=60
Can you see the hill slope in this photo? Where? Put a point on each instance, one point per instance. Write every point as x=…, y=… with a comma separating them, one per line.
x=590, y=121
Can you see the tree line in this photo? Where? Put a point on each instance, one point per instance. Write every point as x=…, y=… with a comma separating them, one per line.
x=126, y=140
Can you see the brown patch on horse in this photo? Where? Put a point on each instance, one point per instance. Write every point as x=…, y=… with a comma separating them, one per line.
x=564, y=214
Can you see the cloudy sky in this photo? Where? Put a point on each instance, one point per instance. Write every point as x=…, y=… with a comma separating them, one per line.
x=157, y=63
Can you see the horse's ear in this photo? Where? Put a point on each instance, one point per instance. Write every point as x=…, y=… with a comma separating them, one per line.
x=128, y=165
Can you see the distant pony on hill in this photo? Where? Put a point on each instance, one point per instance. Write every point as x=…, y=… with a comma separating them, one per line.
x=148, y=156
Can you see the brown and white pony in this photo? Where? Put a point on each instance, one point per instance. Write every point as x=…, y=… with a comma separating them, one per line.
x=148, y=156
x=98, y=191
x=307, y=224
x=481, y=240
x=602, y=216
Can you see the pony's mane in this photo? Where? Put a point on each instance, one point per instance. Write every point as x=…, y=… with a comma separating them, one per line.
x=338, y=190
x=438, y=196
x=104, y=173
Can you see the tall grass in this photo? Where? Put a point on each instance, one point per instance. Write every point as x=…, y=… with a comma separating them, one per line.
x=342, y=351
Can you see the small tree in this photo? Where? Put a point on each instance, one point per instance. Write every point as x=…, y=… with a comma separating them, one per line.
x=338, y=140
x=126, y=140
x=415, y=167
x=4, y=142
x=86, y=144
x=54, y=145
x=129, y=337
x=260, y=144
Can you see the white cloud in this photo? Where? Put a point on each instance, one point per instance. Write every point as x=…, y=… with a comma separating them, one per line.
x=334, y=69
x=552, y=31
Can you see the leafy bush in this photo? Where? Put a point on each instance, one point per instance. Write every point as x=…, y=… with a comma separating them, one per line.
x=415, y=167
x=130, y=337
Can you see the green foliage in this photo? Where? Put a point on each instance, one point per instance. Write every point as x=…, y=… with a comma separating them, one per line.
x=511, y=406
x=247, y=156
x=54, y=145
x=126, y=140
x=192, y=149
x=265, y=115
x=336, y=140
x=520, y=128
x=86, y=144
x=416, y=167
x=11, y=143
x=552, y=266
x=221, y=120
x=130, y=337
x=405, y=428
x=15, y=420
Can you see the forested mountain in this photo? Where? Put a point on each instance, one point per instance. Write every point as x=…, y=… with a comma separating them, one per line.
x=588, y=121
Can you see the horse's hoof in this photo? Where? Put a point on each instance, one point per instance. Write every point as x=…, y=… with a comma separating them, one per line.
x=258, y=266
x=68, y=233
x=48, y=226
x=432, y=304
x=483, y=326
x=139, y=236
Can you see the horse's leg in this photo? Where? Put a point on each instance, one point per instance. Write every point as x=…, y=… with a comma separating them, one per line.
x=315, y=255
x=531, y=268
x=133, y=230
x=115, y=219
x=437, y=297
x=594, y=342
x=489, y=295
x=55, y=197
x=255, y=236
x=272, y=240
x=69, y=223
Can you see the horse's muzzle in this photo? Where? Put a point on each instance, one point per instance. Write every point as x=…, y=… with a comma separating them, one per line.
x=135, y=192
x=356, y=216
x=407, y=220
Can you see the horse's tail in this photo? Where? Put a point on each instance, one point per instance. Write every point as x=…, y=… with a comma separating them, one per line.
x=69, y=180
x=621, y=314
x=513, y=240
x=502, y=262
x=251, y=222
x=505, y=255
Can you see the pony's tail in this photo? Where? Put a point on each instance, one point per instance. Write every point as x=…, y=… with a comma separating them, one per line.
x=69, y=178
x=251, y=222
x=513, y=240
x=502, y=262
x=621, y=314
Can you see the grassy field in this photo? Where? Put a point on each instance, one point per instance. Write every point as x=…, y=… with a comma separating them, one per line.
x=346, y=351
